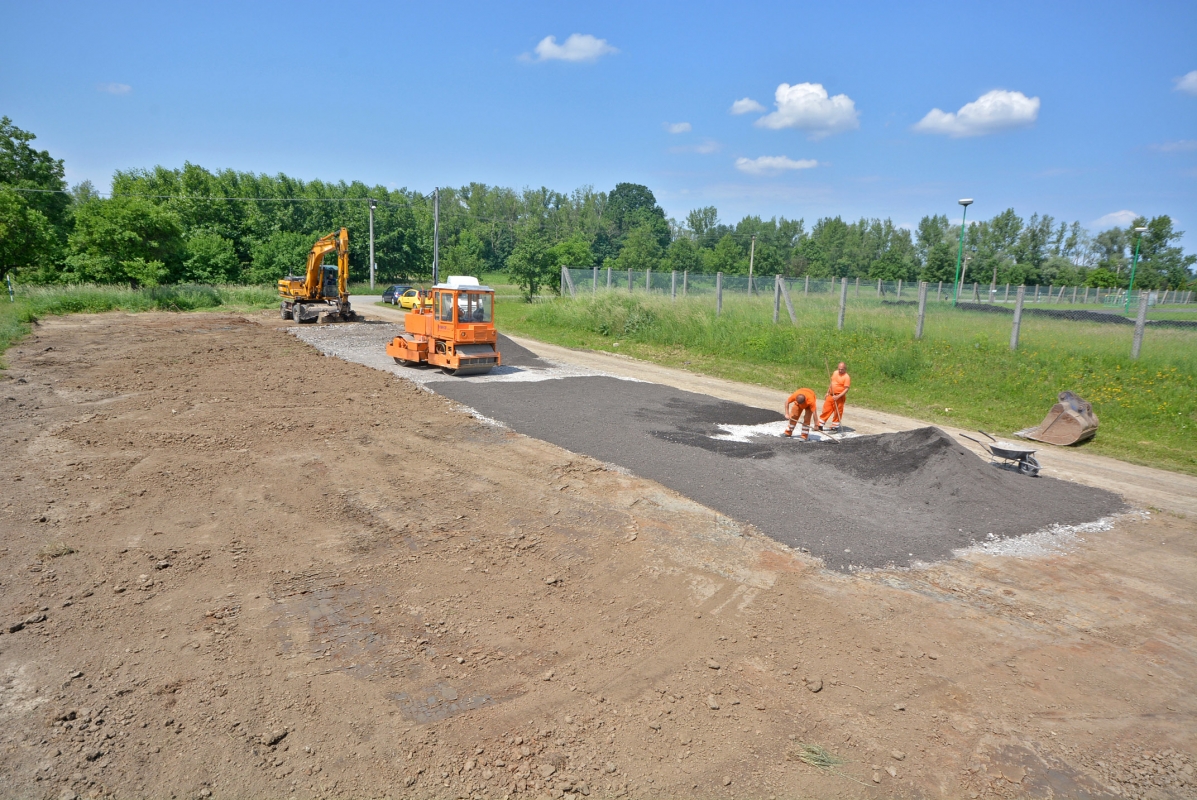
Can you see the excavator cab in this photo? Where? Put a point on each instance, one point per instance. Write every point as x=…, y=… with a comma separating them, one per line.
x=456, y=333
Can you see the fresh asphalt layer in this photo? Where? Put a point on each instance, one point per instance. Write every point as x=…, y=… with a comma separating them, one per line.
x=870, y=501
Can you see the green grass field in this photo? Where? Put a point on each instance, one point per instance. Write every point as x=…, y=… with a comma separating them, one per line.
x=962, y=372
x=33, y=302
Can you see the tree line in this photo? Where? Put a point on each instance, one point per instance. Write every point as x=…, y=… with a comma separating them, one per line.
x=191, y=224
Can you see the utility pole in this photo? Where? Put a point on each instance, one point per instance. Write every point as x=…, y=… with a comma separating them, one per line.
x=373, y=203
x=436, y=235
x=751, y=258
x=1134, y=263
x=960, y=253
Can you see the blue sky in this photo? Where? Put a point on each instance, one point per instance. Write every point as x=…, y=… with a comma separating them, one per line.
x=1080, y=110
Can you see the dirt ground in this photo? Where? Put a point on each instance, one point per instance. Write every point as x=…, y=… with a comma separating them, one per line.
x=232, y=567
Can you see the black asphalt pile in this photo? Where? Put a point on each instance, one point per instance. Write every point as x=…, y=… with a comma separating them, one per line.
x=870, y=501
x=1077, y=315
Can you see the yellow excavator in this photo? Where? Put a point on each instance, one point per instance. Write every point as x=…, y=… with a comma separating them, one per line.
x=322, y=293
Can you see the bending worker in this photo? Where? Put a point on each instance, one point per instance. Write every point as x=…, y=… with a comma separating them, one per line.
x=800, y=404
x=833, y=405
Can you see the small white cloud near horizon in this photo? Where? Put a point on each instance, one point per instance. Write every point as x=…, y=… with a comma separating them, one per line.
x=705, y=148
x=1115, y=219
x=807, y=106
x=578, y=47
x=746, y=105
x=1187, y=83
x=773, y=165
x=678, y=127
x=1180, y=146
x=994, y=111
x=114, y=88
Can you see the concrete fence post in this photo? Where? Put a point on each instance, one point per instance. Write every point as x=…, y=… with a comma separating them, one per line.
x=976, y=292
x=785, y=295
x=718, y=293
x=878, y=287
x=776, y=298
x=648, y=281
x=685, y=282
x=918, y=329
x=608, y=277
x=629, y=279
x=567, y=281
x=858, y=287
x=939, y=292
x=1036, y=293
x=806, y=290
x=1086, y=300
x=1073, y=300
x=843, y=302
x=899, y=295
x=594, y=286
x=1018, y=300
x=1140, y=324
x=673, y=285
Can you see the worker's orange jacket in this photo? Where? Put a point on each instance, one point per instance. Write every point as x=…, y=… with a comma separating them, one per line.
x=805, y=398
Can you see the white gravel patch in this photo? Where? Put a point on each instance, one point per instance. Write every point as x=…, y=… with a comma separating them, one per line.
x=745, y=433
x=1054, y=540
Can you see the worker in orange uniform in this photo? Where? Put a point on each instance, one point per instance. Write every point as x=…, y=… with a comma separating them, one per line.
x=800, y=403
x=833, y=405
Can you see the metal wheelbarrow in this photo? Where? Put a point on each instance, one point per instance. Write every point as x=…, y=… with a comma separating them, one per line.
x=1016, y=456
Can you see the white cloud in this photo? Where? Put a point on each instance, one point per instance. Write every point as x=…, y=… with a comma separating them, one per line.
x=746, y=105
x=678, y=127
x=578, y=47
x=1187, y=83
x=807, y=107
x=772, y=165
x=1182, y=146
x=1115, y=219
x=993, y=111
x=114, y=88
x=705, y=148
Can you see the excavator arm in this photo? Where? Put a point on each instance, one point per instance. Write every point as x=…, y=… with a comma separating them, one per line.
x=314, y=280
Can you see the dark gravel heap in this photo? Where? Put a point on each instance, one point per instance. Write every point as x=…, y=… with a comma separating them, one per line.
x=1111, y=317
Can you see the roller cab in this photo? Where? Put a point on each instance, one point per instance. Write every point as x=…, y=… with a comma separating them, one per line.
x=455, y=333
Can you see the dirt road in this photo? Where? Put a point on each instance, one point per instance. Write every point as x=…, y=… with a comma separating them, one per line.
x=235, y=568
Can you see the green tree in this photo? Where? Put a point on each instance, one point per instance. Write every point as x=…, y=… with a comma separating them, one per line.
x=682, y=255
x=125, y=240
x=27, y=239
x=631, y=206
x=641, y=250
x=23, y=167
x=531, y=263
x=282, y=254
x=466, y=256
x=1161, y=263
x=727, y=257
x=941, y=264
x=573, y=252
x=210, y=258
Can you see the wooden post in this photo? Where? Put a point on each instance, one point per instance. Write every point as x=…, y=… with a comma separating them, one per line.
x=776, y=298
x=1022, y=293
x=843, y=302
x=673, y=285
x=785, y=295
x=718, y=293
x=918, y=329
x=1140, y=324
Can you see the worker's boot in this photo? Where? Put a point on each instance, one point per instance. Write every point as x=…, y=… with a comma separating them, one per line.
x=789, y=431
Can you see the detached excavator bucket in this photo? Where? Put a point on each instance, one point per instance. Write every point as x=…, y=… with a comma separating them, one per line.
x=1071, y=421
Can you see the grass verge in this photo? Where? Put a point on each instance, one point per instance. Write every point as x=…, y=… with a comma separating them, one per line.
x=33, y=302
x=961, y=373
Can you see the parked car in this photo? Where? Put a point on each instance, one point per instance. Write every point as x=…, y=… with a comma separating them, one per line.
x=392, y=294
x=411, y=297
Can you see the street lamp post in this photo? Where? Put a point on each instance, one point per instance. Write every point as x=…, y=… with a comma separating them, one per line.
x=1134, y=263
x=373, y=205
x=960, y=253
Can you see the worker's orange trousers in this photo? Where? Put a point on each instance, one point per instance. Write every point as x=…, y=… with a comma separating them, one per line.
x=795, y=414
x=832, y=408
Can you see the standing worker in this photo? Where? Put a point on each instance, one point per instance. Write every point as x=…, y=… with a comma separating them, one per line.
x=799, y=403
x=834, y=404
